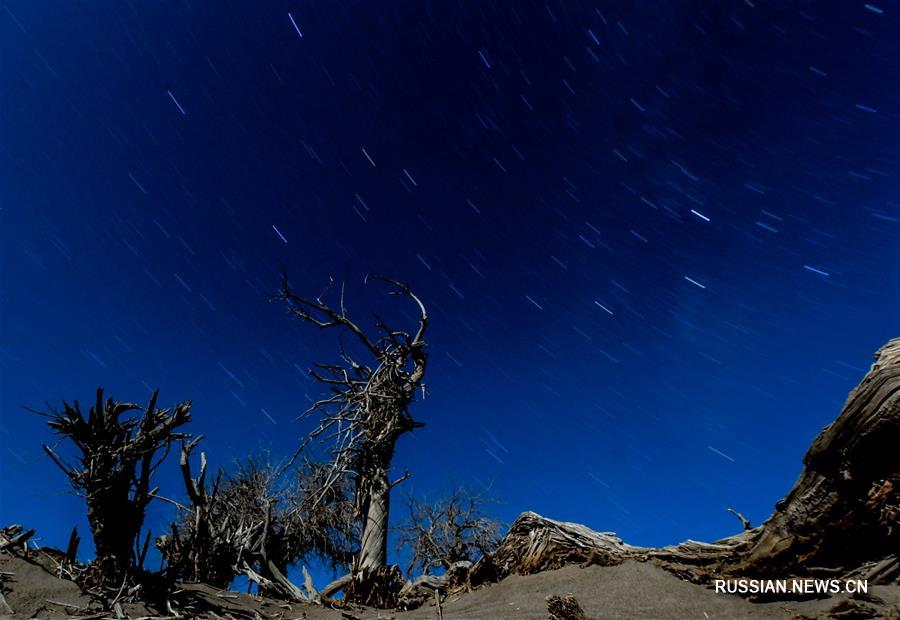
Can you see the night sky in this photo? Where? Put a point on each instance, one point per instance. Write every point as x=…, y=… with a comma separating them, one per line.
x=658, y=242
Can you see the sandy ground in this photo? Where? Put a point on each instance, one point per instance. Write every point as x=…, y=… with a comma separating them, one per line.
x=31, y=591
x=631, y=590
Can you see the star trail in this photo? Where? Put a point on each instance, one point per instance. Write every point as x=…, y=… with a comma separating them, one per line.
x=658, y=241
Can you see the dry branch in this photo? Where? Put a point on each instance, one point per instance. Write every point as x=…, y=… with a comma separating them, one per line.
x=258, y=521
x=117, y=456
x=744, y=521
x=442, y=533
x=362, y=415
x=13, y=537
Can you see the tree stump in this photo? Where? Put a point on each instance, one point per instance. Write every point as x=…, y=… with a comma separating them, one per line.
x=564, y=608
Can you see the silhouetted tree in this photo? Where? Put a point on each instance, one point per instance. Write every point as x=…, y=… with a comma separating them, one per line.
x=365, y=414
x=259, y=521
x=117, y=457
x=442, y=533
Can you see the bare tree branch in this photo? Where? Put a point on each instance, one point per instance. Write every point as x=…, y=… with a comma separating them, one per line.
x=117, y=457
x=363, y=414
x=442, y=533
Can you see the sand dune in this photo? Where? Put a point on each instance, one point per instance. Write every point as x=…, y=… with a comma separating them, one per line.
x=630, y=590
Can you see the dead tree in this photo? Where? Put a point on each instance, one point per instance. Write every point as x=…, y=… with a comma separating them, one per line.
x=325, y=525
x=839, y=519
x=203, y=544
x=258, y=521
x=365, y=414
x=117, y=458
x=447, y=532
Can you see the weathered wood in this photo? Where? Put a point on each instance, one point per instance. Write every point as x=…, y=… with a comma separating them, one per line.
x=12, y=537
x=377, y=587
x=364, y=414
x=826, y=518
x=72, y=548
x=118, y=455
x=416, y=592
x=275, y=585
x=258, y=519
x=203, y=601
x=455, y=576
x=564, y=608
x=311, y=592
x=335, y=586
x=536, y=544
x=840, y=518
x=745, y=522
x=284, y=585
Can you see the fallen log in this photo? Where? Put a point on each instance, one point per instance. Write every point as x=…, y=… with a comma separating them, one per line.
x=534, y=544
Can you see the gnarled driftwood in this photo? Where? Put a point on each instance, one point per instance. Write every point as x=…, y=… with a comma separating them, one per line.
x=840, y=518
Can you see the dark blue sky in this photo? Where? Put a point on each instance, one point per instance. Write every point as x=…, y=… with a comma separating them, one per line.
x=659, y=242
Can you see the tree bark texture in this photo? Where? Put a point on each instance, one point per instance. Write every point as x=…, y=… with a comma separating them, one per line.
x=840, y=518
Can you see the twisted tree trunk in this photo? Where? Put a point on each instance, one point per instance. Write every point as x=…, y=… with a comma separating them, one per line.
x=364, y=414
x=373, y=581
x=373, y=546
x=116, y=523
x=117, y=458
